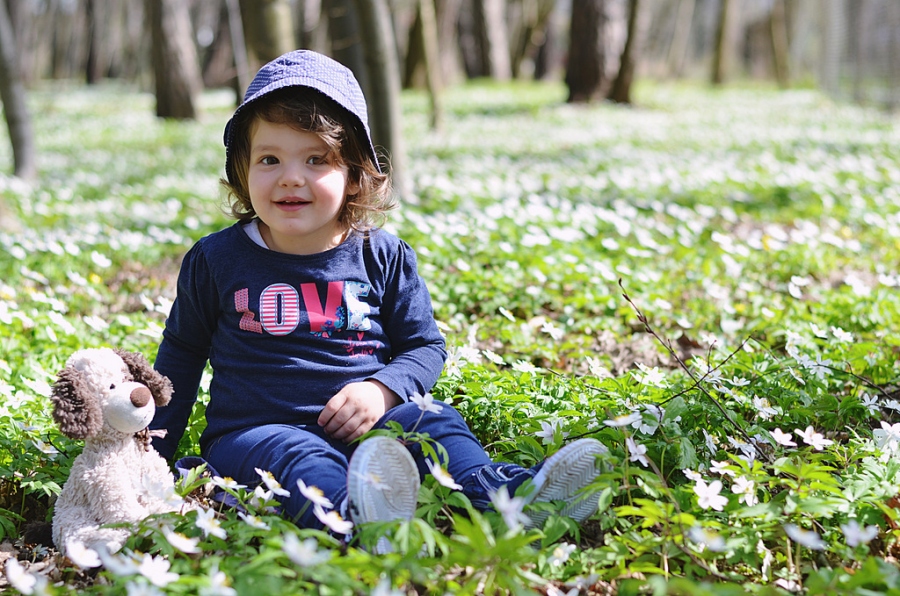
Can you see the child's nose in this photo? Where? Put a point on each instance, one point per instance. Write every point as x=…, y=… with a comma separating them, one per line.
x=292, y=174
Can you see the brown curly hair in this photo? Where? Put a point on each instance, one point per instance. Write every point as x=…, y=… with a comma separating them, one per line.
x=307, y=110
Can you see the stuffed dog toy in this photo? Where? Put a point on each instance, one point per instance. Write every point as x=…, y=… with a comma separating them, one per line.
x=107, y=398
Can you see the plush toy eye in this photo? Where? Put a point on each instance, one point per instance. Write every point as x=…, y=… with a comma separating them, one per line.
x=113, y=386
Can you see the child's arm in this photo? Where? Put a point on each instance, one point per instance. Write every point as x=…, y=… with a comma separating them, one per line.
x=184, y=350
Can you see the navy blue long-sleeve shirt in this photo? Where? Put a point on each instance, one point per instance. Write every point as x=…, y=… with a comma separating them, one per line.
x=284, y=333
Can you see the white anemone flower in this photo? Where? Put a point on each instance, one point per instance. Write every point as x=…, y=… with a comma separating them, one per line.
x=333, y=520
x=314, y=494
x=708, y=496
x=426, y=403
x=807, y=538
x=306, y=553
x=441, y=475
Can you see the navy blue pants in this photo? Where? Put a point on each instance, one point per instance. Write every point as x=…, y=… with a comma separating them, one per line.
x=305, y=453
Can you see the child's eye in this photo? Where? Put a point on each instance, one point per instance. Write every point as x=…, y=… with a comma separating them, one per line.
x=317, y=160
x=268, y=160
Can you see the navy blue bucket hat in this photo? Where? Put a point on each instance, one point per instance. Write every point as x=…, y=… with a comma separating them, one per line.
x=305, y=68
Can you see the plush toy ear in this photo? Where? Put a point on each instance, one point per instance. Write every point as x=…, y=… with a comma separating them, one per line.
x=142, y=372
x=75, y=408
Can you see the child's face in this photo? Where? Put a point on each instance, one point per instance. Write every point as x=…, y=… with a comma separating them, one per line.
x=296, y=188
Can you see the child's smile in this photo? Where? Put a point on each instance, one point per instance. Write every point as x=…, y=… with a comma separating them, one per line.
x=296, y=188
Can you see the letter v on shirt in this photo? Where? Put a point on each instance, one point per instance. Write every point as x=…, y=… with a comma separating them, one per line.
x=281, y=310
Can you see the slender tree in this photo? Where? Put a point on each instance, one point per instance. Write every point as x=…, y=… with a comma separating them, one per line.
x=722, y=53
x=383, y=67
x=621, y=87
x=490, y=21
x=268, y=29
x=585, y=75
x=12, y=93
x=175, y=63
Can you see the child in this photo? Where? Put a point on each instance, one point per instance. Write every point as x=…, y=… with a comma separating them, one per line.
x=318, y=326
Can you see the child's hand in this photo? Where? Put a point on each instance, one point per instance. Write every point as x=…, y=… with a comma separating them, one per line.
x=355, y=409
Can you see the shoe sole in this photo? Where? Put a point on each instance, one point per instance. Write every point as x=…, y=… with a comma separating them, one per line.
x=382, y=481
x=563, y=477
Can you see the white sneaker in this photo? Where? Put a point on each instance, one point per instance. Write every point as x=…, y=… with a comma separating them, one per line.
x=382, y=482
x=563, y=477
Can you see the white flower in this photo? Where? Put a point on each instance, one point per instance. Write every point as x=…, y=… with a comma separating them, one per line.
x=652, y=376
x=510, y=508
x=81, y=555
x=807, y=538
x=656, y=414
x=783, y=438
x=710, y=442
x=637, y=452
x=811, y=437
x=523, y=366
x=692, y=475
x=206, y=521
x=870, y=402
x=706, y=539
x=561, y=554
x=764, y=408
x=314, y=495
x=549, y=429
x=841, y=335
x=441, y=475
x=100, y=260
x=856, y=535
x=156, y=569
x=227, y=483
x=721, y=467
x=623, y=420
x=788, y=584
x=254, y=521
x=746, y=488
x=120, y=565
x=219, y=584
x=384, y=588
x=507, y=314
x=306, y=553
x=20, y=579
x=708, y=496
x=333, y=520
x=273, y=485
x=426, y=403
x=891, y=431
x=493, y=357
x=182, y=542
x=552, y=330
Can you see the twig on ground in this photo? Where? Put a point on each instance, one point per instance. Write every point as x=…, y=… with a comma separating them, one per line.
x=697, y=382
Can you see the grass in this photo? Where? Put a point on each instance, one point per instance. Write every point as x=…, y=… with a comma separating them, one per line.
x=698, y=281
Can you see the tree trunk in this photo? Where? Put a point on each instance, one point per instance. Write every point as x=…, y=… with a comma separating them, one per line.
x=383, y=67
x=621, y=88
x=12, y=93
x=532, y=34
x=722, y=54
x=684, y=17
x=346, y=44
x=447, y=17
x=429, y=41
x=780, y=45
x=175, y=63
x=268, y=29
x=490, y=19
x=585, y=69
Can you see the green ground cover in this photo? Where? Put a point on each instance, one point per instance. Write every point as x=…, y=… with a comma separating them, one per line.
x=707, y=283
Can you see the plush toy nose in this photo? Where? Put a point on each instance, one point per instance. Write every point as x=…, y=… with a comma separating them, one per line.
x=140, y=397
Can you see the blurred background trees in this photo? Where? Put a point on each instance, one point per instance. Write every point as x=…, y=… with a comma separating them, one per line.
x=175, y=48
